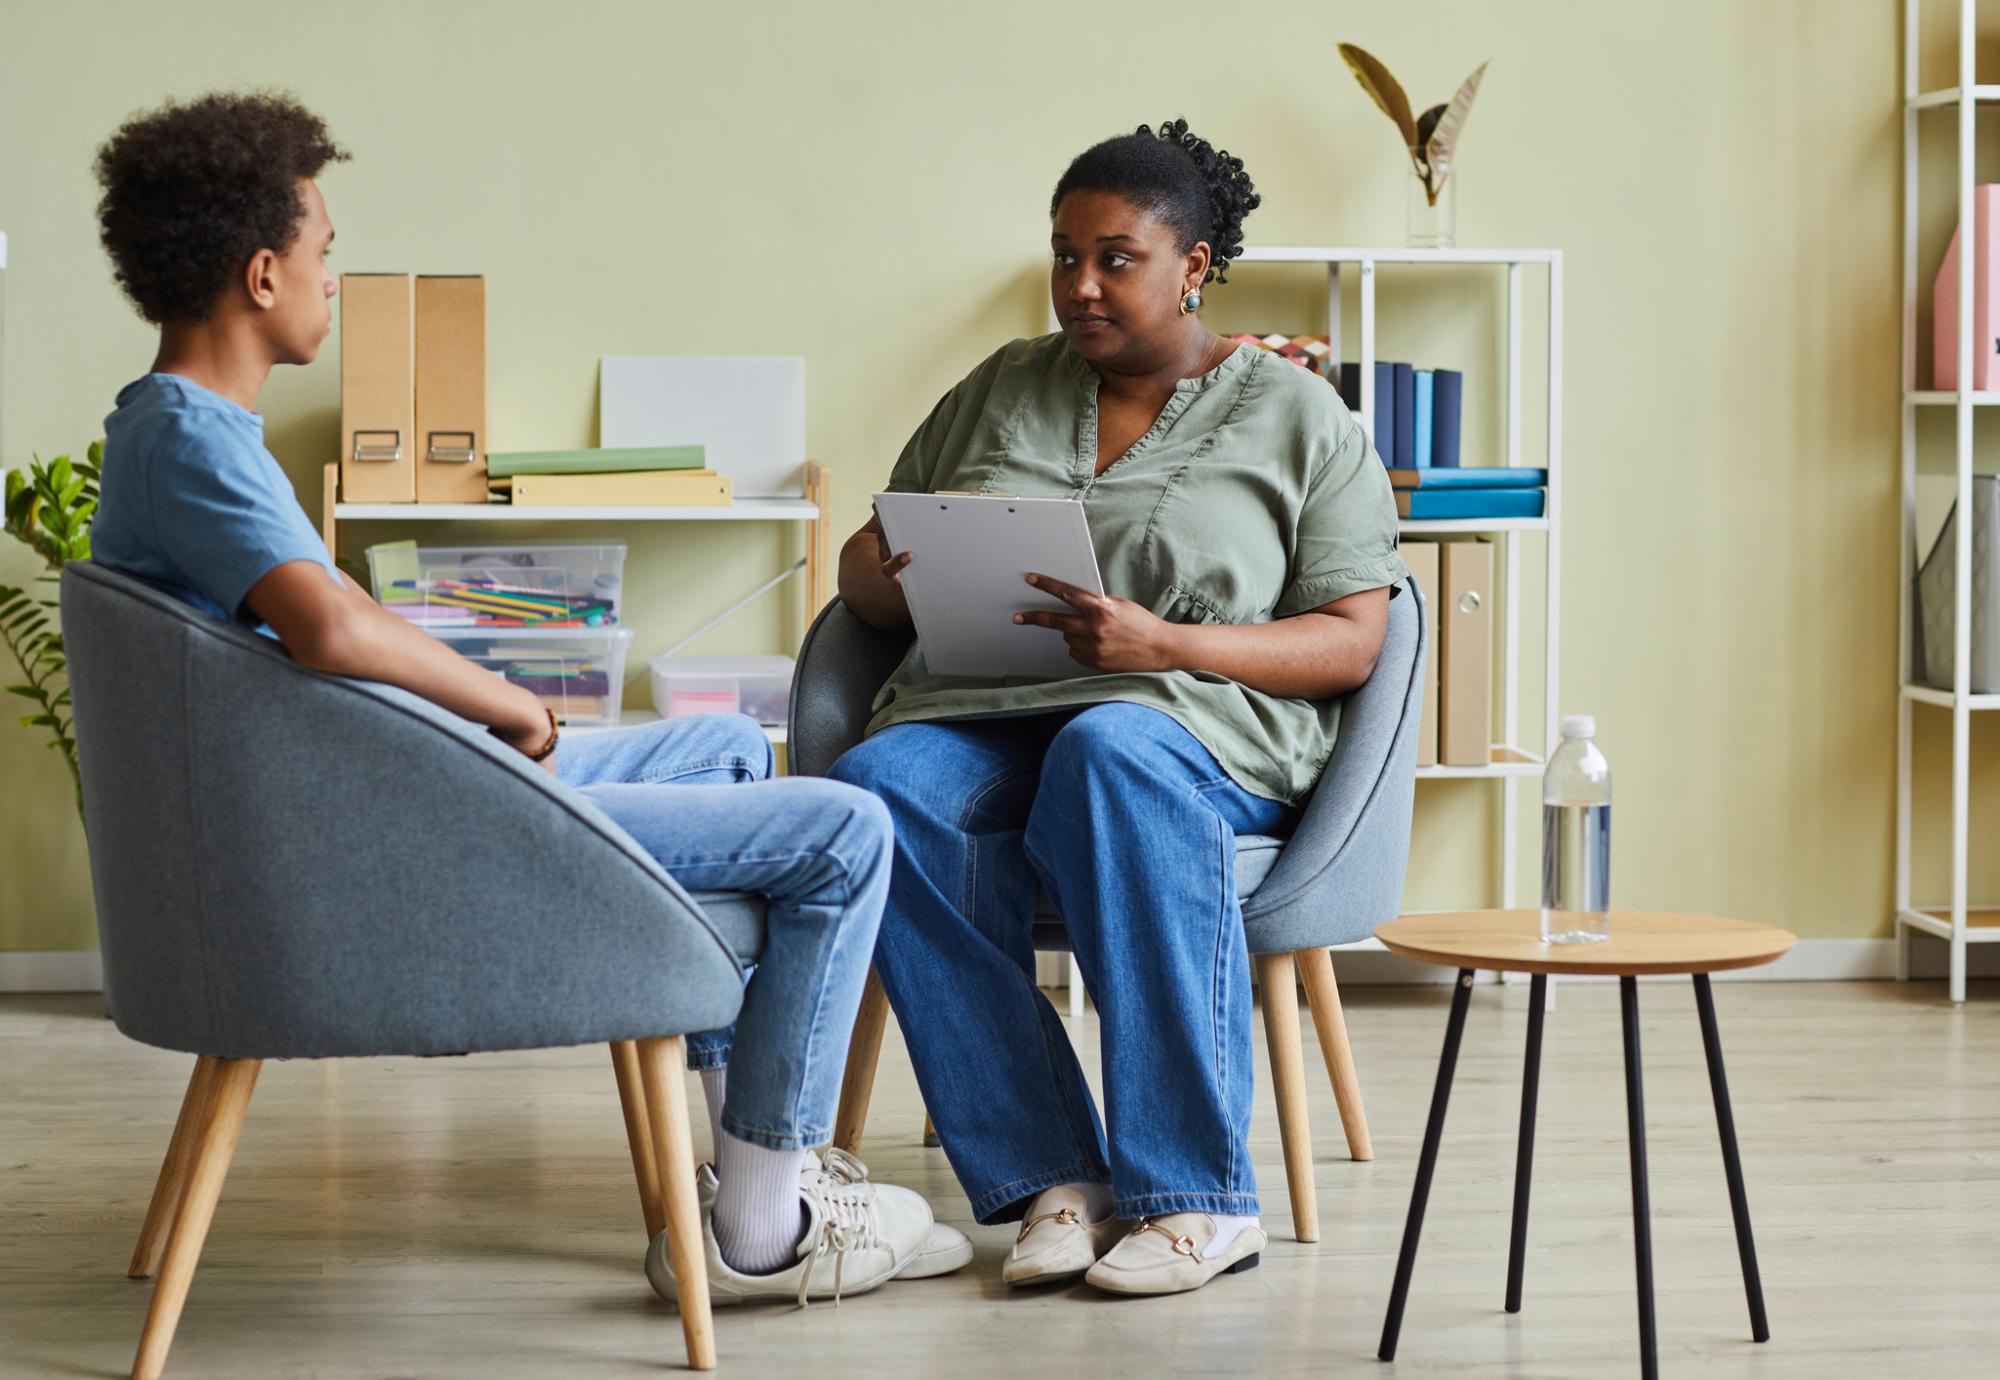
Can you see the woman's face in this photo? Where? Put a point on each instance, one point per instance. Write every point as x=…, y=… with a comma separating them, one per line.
x=1118, y=277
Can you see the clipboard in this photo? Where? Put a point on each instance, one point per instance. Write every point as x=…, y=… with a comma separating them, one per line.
x=971, y=556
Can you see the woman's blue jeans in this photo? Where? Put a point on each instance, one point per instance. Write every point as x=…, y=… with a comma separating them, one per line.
x=1130, y=825
x=695, y=793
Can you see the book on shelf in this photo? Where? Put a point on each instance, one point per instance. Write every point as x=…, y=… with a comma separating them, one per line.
x=1447, y=392
x=1405, y=447
x=1425, y=380
x=595, y=460
x=1383, y=433
x=655, y=489
x=1440, y=504
x=1469, y=477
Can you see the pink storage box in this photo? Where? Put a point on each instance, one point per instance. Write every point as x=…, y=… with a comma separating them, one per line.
x=1985, y=301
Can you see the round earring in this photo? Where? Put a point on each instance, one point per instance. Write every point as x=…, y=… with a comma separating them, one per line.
x=1191, y=303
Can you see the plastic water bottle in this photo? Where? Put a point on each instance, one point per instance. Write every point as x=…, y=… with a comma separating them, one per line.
x=1576, y=838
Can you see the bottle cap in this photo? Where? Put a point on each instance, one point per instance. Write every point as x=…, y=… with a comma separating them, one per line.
x=1579, y=726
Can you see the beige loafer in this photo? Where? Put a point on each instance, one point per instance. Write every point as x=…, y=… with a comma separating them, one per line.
x=1056, y=1242
x=1168, y=1255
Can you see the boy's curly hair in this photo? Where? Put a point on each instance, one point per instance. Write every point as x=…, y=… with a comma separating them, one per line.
x=193, y=189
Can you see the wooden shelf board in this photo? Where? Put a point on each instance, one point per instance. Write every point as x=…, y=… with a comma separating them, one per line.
x=1507, y=761
x=1275, y=254
x=1419, y=526
x=1982, y=923
x=1934, y=397
x=742, y=510
x=1930, y=694
x=1949, y=96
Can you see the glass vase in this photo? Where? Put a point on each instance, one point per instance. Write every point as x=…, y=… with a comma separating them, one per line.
x=1433, y=219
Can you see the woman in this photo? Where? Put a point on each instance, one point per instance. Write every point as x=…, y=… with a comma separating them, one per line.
x=1246, y=534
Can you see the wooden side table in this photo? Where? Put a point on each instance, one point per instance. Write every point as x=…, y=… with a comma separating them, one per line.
x=1640, y=942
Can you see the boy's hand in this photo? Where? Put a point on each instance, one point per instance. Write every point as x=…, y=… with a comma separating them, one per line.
x=530, y=732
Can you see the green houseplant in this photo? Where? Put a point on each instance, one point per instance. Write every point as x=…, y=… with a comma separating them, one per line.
x=49, y=509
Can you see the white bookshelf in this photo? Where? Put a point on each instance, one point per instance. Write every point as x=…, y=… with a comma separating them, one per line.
x=1954, y=918
x=1511, y=762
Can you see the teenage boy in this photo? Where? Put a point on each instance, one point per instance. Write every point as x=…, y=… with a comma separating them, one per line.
x=218, y=233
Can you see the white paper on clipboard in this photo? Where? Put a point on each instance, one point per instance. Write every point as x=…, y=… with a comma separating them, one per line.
x=967, y=578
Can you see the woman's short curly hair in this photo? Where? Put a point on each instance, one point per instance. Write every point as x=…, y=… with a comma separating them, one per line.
x=193, y=189
x=1179, y=178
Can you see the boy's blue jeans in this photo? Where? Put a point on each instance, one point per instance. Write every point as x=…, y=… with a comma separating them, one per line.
x=1131, y=826
x=818, y=850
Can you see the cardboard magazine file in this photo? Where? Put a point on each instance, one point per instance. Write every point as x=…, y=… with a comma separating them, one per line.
x=1422, y=559
x=1465, y=641
x=451, y=389
x=378, y=388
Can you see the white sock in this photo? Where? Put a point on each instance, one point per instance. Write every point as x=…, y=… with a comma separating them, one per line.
x=713, y=1082
x=1227, y=1229
x=1097, y=1200
x=759, y=1216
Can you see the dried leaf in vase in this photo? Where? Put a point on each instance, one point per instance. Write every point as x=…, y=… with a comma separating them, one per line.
x=1427, y=122
x=1443, y=142
x=1386, y=92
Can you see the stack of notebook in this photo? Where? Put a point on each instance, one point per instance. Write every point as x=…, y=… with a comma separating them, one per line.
x=1478, y=491
x=626, y=477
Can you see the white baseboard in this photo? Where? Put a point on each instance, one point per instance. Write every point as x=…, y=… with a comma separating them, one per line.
x=1810, y=960
x=63, y=971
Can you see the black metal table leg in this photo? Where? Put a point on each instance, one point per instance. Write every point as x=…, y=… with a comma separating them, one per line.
x=1732, y=1167
x=1524, y=1151
x=1642, y=1228
x=1413, y=1225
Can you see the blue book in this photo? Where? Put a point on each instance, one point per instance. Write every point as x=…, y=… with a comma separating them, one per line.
x=1406, y=418
x=1384, y=437
x=1470, y=477
x=1446, y=394
x=1424, y=433
x=1469, y=503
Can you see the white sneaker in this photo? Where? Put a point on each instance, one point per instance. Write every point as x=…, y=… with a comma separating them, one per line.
x=857, y=1237
x=946, y=1248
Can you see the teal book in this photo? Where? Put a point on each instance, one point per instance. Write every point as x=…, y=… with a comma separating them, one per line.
x=1470, y=477
x=597, y=460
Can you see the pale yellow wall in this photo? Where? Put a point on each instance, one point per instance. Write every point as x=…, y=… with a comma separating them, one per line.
x=866, y=185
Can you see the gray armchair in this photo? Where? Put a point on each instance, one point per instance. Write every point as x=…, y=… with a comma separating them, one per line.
x=1338, y=876
x=291, y=865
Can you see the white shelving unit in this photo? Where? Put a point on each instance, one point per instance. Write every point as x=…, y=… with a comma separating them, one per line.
x=810, y=510
x=1511, y=762
x=1956, y=921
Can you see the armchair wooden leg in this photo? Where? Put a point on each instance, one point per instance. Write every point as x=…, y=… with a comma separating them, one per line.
x=1276, y=979
x=660, y=1065
x=638, y=1134
x=1323, y=995
x=214, y=1144
x=864, y=1049
x=173, y=1173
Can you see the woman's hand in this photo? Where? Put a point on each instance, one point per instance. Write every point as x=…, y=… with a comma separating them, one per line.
x=1107, y=633
x=892, y=561
x=871, y=578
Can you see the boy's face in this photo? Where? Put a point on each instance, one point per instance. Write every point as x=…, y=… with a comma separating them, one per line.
x=301, y=298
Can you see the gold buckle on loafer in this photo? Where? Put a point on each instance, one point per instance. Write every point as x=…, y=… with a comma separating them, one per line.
x=1066, y=1217
x=1183, y=1245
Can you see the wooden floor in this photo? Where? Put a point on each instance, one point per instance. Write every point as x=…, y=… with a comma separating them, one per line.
x=476, y=1217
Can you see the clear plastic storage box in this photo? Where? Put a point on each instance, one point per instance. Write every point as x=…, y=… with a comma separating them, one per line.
x=760, y=686
x=579, y=673
x=443, y=588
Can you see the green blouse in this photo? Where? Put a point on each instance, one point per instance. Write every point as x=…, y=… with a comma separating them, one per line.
x=1255, y=496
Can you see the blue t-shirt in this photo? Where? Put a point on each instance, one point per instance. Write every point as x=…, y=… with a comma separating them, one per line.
x=192, y=502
